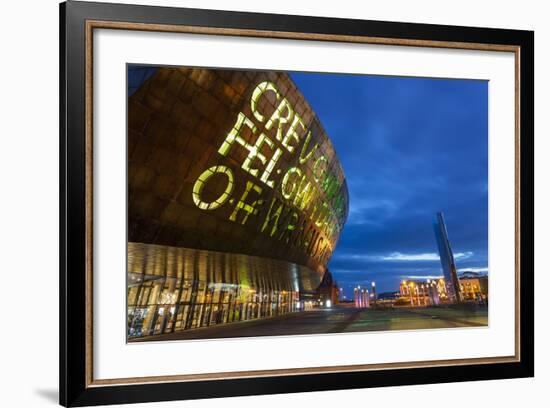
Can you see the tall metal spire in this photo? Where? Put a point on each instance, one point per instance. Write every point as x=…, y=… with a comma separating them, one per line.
x=447, y=259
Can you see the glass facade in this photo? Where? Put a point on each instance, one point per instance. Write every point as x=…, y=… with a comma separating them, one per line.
x=171, y=289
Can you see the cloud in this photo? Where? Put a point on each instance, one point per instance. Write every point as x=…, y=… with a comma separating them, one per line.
x=423, y=277
x=369, y=211
x=346, y=271
x=473, y=269
x=399, y=256
x=431, y=256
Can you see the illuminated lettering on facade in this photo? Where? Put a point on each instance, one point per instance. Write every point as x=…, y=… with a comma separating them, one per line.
x=308, y=208
x=201, y=182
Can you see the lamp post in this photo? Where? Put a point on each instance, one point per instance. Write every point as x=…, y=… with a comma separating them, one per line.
x=424, y=297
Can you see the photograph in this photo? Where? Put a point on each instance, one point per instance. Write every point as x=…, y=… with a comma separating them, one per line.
x=280, y=203
x=270, y=204
x=256, y=203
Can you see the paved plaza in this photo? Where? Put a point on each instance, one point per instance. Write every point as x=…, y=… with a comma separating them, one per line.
x=340, y=319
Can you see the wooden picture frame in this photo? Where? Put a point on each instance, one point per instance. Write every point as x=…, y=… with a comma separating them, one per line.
x=78, y=20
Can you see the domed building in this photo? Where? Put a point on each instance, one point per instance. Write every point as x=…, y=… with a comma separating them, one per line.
x=236, y=198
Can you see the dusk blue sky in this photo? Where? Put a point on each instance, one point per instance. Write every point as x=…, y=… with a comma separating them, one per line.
x=409, y=147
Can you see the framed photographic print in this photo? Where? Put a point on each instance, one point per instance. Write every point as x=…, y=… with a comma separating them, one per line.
x=255, y=203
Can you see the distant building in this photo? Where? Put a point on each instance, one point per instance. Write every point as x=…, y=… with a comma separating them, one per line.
x=328, y=291
x=474, y=287
x=422, y=292
x=447, y=260
x=429, y=292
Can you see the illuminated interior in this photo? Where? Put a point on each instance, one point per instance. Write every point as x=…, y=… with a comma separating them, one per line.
x=171, y=289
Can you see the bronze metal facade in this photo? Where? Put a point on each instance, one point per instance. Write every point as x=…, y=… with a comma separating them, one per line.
x=231, y=169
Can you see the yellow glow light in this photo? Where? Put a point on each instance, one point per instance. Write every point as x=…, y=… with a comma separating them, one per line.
x=305, y=157
x=319, y=160
x=273, y=216
x=258, y=91
x=292, y=134
x=235, y=135
x=293, y=170
x=278, y=117
x=254, y=152
x=304, y=194
x=270, y=166
x=247, y=208
x=201, y=181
